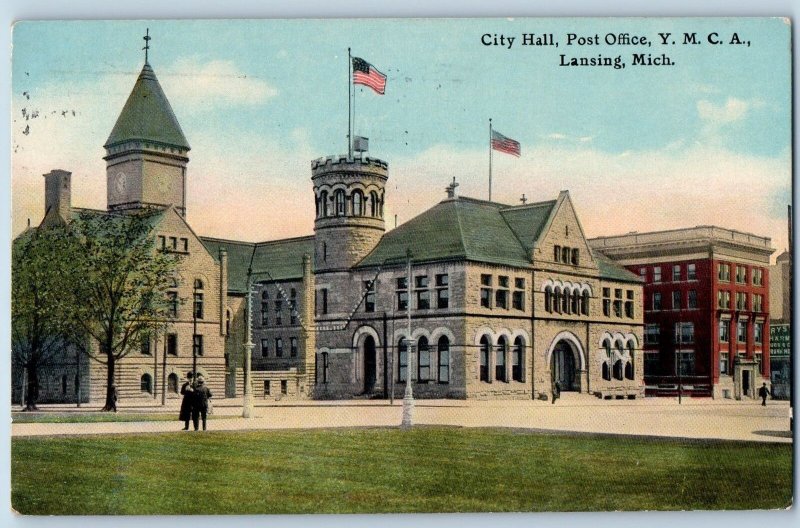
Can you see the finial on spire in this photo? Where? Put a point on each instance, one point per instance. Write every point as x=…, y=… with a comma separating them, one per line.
x=451, y=189
x=147, y=38
x=524, y=200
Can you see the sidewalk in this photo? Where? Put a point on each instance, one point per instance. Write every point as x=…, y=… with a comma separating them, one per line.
x=660, y=417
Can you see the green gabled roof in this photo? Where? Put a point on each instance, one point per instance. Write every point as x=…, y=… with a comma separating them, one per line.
x=147, y=115
x=455, y=229
x=274, y=260
x=527, y=221
x=611, y=270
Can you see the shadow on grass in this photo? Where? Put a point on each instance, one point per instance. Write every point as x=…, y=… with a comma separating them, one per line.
x=776, y=434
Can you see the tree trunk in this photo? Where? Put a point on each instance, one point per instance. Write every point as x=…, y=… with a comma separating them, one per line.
x=32, y=390
x=111, y=397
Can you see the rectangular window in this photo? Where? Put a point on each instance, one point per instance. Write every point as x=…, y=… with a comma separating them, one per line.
x=172, y=344
x=486, y=280
x=657, y=274
x=421, y=281
x=651, y=363
x=758, y=333
x=606, y=302
x=185, y=245
x=293, y=312
x=145, y=345
x=325, y=367
x=266, y=387
x=424, y=371
x=501, y=298
x=692, y=300
x=691, y=272
x=402, y=356
x=575, y=257
x=723, y=300
x=172, y=302
x=724, y=272
x=723, y=363
x=629, y=304
x=422, y=293
x=741, y=331
x=402, y=294
x=684, y=333
x=518, y=300
x=486, y=293
x=565, y=253
x=197, y=344
x=442, y=291
x=293, y=346
x=656, y=301
x=676, y=300
x=643, y=273
x=444, y=364
x=724, y=331
x=617, y=302
x=198, y=305
x=502, y=281
x=284, y=387
x=369, y=297
x=278, y=347
x=162, y=241
x=324, y=300
x=264, y=314
x=758, y=301
x=758, y=277
x=173, y=243
x=741, y=301
x=741, y=274
x=265, y=347
x=652, y=334
x=556, y=253
x=676, y=273
x=686, y=358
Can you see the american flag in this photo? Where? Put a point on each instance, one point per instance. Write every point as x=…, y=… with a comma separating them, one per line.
x=366, y=74
x=505, y=144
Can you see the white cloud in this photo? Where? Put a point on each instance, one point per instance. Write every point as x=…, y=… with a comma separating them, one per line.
x=733, y=110
x=207, y=84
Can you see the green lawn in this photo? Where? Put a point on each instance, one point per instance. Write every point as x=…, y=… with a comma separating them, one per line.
x=390, y=470
x=95, y=416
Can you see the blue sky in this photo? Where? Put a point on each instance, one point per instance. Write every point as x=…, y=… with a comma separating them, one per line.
x=706, y=141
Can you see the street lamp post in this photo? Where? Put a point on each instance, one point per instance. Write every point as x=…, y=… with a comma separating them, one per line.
x=408, y=397
x=247, y=403
x=680, y=360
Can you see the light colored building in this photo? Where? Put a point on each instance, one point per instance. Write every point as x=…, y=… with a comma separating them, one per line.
x=780, y=325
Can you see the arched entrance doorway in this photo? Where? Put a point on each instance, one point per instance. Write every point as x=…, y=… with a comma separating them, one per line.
x=564, y=365
x=370, y=364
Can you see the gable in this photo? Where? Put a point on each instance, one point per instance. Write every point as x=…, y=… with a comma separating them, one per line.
x=563, y=229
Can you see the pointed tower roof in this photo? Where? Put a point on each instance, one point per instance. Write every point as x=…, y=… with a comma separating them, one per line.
x=147, y=115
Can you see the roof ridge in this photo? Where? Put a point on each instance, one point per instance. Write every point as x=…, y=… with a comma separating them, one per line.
x=513, y=231
x=460, y=229
x=282, y=240
x=481, y=201
x=530, y=205
x=218, y=239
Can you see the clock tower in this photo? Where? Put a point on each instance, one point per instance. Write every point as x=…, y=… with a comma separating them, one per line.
x=146, y=153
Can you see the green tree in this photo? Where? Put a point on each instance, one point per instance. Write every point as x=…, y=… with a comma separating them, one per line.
x=40, y=260
x=118, y=289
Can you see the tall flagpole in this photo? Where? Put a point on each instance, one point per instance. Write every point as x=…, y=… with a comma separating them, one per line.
x=490, y=159
x=349, y=108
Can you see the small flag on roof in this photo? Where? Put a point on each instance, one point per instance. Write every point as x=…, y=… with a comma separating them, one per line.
x=366, y=74
x=505, y=144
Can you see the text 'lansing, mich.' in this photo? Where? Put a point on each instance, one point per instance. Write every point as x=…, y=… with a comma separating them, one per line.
x=595, y=41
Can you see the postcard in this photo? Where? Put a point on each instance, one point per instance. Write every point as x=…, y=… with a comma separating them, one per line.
x=401, y=266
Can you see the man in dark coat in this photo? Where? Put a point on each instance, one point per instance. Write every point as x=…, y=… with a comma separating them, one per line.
x=186, y=405
x=200, y=402
x=556, y=391
x=763, y=392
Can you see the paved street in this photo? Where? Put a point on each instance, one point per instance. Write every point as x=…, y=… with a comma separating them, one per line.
x=696, y=418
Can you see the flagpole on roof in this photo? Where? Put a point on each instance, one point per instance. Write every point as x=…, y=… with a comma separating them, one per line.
x=490, y=159
x=349, y=108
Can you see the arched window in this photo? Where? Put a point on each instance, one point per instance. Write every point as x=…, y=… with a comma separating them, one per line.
x=518, y=359
x=373, y=202
x=618, y=364
x=147, y=383
x=339, y=199
x=423, y=360
x=172, y=383
x=565, y=301
x=402, y=359
x=323, y=199
x=585, y=303
x=485, y=345
x=358, y=203
x=444, y=359
x=500, y=359
x=576, y=299
x=548, y=300
x=557, y=300
x=629, y=366
x=607, y=360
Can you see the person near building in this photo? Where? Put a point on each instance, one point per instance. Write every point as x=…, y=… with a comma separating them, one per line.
x=186, y=405
x=200, y=402
x=763, y=392
x=556, y=391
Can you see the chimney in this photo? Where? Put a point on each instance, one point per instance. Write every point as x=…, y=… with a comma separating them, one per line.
x=451, y=189
x=58, y=193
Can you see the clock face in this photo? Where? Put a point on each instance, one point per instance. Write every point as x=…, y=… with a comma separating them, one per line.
x=120, y=183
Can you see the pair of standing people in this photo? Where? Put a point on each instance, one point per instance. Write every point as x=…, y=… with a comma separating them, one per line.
x=195, y=401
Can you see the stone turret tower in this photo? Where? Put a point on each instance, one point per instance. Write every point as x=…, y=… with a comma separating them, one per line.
x=349, y=196
x=146, y=152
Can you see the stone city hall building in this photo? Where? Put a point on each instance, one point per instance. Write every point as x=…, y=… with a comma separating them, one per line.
x=502, y=300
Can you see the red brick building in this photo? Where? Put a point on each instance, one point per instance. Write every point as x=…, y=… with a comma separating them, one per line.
x=706, y=308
